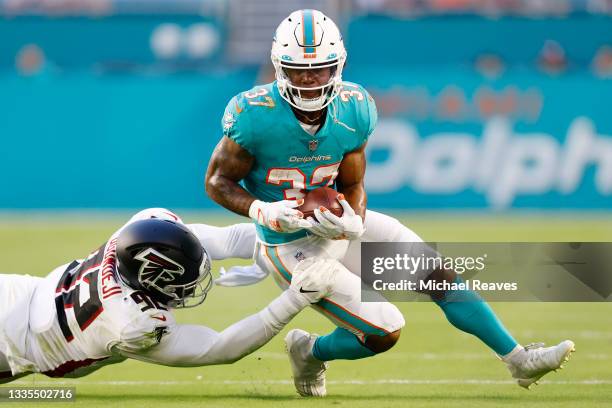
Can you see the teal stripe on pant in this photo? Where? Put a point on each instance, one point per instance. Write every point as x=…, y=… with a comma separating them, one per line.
x=329, y=307
x=273, y=255
x=350, y=319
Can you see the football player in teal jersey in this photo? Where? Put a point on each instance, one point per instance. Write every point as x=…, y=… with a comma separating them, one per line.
x=309, y=129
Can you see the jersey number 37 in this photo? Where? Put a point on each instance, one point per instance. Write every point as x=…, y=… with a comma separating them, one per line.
x=320, y=177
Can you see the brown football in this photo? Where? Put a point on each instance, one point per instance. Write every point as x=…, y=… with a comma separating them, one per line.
x=321, y=197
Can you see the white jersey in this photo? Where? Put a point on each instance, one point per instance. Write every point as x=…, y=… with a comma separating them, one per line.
x=82, y=317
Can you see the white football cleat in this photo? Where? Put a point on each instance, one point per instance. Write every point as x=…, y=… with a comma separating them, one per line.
x=534, y=361
x=308, y=372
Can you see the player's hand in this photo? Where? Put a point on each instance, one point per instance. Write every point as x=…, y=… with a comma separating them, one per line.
x=313, y=279
x=330, y=226
x=240, y=275
x=279, y=216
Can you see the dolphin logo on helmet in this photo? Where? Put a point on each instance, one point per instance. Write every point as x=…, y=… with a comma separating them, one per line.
x=308, y=39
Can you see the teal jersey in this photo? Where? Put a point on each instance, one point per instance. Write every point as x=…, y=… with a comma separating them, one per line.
x=288, y=160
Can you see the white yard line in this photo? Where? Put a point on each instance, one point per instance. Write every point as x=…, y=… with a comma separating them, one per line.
x=398, y=381
x=274, y=355
x=569, y=334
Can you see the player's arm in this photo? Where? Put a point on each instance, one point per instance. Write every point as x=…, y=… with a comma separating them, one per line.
x=350, y=180
x=229, y=164
x=233, y=241
x=351, y=173
x=190, y=345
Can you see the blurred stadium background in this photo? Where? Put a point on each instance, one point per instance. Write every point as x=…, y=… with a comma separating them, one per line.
x=483, y=104
x=495, y=125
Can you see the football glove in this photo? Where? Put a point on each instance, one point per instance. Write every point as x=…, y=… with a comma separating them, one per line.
x=330, y=226
x=279, y=216
x=313, y=279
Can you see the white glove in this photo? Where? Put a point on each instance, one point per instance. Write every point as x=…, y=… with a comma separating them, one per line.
x=240, y=275
x=330, y=226
x=279, y=216
x=313, y=279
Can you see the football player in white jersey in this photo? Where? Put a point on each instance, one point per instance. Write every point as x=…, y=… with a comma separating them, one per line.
x=117, y=302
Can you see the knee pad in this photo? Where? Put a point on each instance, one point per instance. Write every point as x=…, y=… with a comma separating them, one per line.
x=392, y=315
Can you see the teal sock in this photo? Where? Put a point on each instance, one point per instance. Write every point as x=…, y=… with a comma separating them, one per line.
x=340, y=344
x=468, y=312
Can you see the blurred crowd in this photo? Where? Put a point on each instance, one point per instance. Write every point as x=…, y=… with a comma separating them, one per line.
x=57, y=7
x=399, y=7
x=200, y=40
x=552, y=60
x=108, y=7
x=485, y=7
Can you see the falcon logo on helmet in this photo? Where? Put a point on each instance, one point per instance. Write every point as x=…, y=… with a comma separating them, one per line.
x=156, y=267
x=308, y=39
x=166, y=260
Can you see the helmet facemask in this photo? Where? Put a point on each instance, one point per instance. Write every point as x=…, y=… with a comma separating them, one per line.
x=175, y=296
x=294, y=94
x=192, y=294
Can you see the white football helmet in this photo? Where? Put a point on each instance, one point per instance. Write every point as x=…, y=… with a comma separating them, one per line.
x=308, y=39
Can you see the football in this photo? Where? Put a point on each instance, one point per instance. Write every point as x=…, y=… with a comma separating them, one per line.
x=321, y=197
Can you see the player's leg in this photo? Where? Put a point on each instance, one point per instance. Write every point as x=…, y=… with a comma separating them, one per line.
x=464, y=309
x=364, y=329
x=468, y=312
x=374, y=326
x=14, y=290
x=6, y=376
x=5, y=368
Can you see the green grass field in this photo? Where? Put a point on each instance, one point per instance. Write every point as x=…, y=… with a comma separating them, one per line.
x=433, y=364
